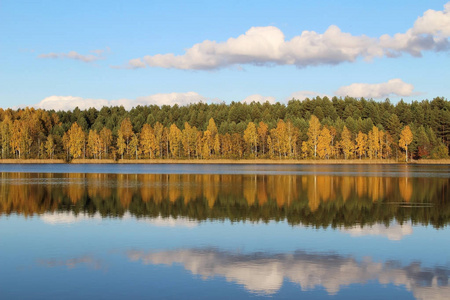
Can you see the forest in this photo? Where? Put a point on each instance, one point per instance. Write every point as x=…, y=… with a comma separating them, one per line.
x=318, y=128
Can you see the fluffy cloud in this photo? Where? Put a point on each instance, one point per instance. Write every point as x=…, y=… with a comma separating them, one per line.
x=94, y=56
x=259, y=98
x=302, y=95
x=268, y=46
x=434, y=22
x=170, y=99
x=396, y=87
x=70, y=102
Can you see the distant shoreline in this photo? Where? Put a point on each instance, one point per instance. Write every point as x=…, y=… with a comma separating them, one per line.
x=227, y=161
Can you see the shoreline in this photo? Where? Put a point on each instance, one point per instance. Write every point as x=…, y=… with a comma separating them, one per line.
x=228, y=161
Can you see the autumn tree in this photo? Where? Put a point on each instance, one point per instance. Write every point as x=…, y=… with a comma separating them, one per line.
x=134, y=145
x=324, y=143
x=406, y=138
x=158, y=130
x=210, y=135
x=270, y=146
x=6, y=132
x=291, y=138
x=263, y=131
x=217, y=145
x=373, y=141
x=361, y=144
x=76, y=141
x=347, y=144
x=94, y=144
x=126, y=129
x=148, y=141
x=227, y=146
x=175, y=137
x=238, y=149
x=121, y=144
x=251, y=138
x=105, y=140
x=207, y=144
x=66, y=144
x=313, y=133
x=281, y=134
x=50, y=146
x=20, y=140
x=189, y=136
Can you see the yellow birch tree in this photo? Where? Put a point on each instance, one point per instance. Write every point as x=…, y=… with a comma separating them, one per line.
x=262, y=135
x=406, y=138
x=313, y=133
x=347, y=143
x=50, y=146
x=324, y=143
x=106, y=140
x=147, y=140
x=361, y=143
x=126, y=128
x=76, y=140
x=251, y=138
x=174, y=140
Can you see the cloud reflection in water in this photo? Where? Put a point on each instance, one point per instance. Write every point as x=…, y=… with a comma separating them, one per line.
x=264, y=273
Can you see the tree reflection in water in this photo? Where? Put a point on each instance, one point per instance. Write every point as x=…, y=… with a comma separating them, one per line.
x=315, y=200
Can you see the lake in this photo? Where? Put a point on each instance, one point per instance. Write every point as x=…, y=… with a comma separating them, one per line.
x=224, y=231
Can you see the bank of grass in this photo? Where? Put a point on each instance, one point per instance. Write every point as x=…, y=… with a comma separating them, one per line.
x=92, y=161
x=32, y=161
x=431, y=162
x=229, y=161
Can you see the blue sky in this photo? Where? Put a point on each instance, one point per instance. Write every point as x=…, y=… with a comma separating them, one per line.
x=57, y=54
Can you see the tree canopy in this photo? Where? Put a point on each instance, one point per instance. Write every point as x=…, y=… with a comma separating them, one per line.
x=318, y=128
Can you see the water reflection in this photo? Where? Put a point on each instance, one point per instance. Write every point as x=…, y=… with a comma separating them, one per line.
x=87, y=260
x=57, y=218
x=394, y=232
x=318, y=200
x=264, y=273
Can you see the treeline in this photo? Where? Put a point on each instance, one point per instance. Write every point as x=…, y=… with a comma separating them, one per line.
x=319, y=128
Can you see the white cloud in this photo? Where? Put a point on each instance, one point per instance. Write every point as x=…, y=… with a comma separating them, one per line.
x=268, y=46
x=259, y=98
x=171, y=99
x=396, y=87
x=302, y=95
x=70, y=102
x=265, y=46
x=94, y=56
x=434, y=22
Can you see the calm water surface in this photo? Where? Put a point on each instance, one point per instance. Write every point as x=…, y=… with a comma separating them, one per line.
x=224, y=231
